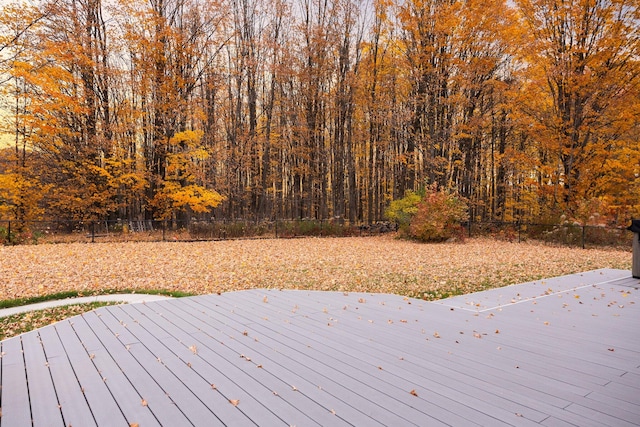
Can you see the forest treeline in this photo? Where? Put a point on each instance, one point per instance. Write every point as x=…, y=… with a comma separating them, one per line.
x=264, y=109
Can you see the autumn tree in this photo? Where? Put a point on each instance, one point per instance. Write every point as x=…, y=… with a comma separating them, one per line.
x=318, y=109
x=184, y=187
x=582, y=92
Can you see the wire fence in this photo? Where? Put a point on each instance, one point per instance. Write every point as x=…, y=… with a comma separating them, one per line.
x=61, y=231
x=574, y=235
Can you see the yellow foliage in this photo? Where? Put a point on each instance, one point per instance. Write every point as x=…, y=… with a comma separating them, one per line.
x=19, y=197
x=191, y=197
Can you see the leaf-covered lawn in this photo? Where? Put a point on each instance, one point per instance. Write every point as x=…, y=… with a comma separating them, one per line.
x=372, y=264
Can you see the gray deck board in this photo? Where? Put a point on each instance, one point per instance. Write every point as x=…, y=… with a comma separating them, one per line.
x=561, y=351
x=417, y=366
x=120, y=386
x=16, y=410
x=404, y=347
x=353, y=372
x=188, y=367
x=99, y=399
x=393, y=378
x=153, y=398
x=167, y=375
x=285, y=379
x=44, y=404
x=239, y=377
x=73, y=404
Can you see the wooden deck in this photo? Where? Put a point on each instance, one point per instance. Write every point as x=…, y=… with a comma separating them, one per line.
x=558, y=352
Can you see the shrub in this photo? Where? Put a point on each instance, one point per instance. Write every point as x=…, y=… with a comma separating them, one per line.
x=401, y=211
x=437, y=216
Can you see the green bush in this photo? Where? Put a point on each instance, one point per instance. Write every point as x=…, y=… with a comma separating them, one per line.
x=7, y=238
x=436, y=216
x=401, y=211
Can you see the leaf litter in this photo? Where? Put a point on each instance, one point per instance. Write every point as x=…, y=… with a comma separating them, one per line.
x=371, y=264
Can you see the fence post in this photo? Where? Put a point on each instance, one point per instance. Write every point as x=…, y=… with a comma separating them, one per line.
x=469, y=227
x=9, y=232
x=164, y=230
x=583, y=235
x=93, y=231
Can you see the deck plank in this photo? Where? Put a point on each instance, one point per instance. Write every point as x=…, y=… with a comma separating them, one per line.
x=416, y=366
x=42, y=395
x=152, y=397
x=353, y=374
x=99, y=399
x=123, y=391
x=228, y=371
x=174, y=374
x=72, y=401
x=313, y=380
x=16, y=409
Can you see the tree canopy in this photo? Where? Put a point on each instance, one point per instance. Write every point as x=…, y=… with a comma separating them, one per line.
x=159, y=109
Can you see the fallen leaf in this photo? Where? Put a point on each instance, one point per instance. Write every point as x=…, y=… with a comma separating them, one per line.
x=234, y=402
x=436, y=334
x=143, y=402
x=413, y=392
x=194, y=349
